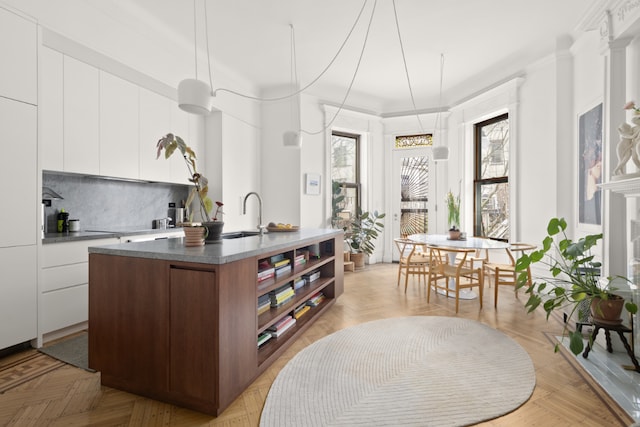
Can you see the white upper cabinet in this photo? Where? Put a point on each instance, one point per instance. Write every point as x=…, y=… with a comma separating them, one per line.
x=50, y=118
x=180, y=127
x=81, y=117
x=18, y=74
x=155, y=119
x=119, y=127
x=18, y=122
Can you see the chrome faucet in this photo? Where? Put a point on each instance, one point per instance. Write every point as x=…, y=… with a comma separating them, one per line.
x=261, y=227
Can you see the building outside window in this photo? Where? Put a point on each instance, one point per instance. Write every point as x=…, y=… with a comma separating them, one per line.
x=345, y=177
x=491, y=181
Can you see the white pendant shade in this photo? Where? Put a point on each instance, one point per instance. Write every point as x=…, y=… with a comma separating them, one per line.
x=440, y=153
x=194, y=96
x=292, y=139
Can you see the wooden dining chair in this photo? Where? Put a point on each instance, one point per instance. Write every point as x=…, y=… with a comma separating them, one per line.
x=414, y=260
x=505, y=273
x=450, y=264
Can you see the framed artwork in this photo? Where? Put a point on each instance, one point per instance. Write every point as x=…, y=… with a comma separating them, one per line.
x=590, y=167
x=313, y=183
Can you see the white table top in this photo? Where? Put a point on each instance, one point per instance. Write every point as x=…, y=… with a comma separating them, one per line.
x=468, y=243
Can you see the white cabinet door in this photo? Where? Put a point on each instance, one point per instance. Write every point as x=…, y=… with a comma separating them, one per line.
x=18, y=44
x=81, y=117
x=50, y=118
x=180, y=126
x=18, y=312
x=18, y=223
x=119, y=127
x=155, y=120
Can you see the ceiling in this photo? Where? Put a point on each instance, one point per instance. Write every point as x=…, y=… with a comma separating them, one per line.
x=482, y=43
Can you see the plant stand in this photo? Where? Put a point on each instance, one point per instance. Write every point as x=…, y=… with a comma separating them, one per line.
x=621, y=330
x=358, y=259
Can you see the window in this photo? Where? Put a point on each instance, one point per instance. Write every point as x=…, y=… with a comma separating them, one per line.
x=414, y=184
x=491, y=182
x=345, y=177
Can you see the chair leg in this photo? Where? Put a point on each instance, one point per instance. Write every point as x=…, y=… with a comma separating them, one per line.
x=495, y=298
x=481, y=286
x=399, y=273
x=457, y=296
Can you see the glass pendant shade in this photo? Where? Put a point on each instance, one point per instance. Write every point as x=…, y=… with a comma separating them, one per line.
x=440, y=153
x=194, y=96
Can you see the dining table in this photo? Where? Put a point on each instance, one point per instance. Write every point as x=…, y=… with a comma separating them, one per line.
x=443, y=240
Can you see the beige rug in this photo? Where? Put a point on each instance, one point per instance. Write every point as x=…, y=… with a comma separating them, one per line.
x=409, y=371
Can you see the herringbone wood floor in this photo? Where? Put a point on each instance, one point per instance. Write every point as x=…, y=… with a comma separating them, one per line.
x=564, y=395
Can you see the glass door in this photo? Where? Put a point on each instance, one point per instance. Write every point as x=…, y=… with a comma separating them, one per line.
x=410, y=192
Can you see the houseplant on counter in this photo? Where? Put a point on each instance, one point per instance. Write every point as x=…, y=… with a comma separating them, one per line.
x=453, y=215
x=170, y=143
x=575, y=280
x=361, y=234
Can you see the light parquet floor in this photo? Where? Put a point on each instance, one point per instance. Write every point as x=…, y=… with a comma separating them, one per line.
x=564, y=394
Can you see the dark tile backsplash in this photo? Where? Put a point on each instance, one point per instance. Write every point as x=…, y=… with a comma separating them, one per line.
x=101, y=203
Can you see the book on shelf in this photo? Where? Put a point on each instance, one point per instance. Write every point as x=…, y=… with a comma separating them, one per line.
x=298, y=283
x=281, y=263
x=284, y=325
x=300, y=311
x=266, y=274
x=263, y=308
x=312, y=276
x=315, y=299
x=283, y=270
x=263, y=338
x=276, y=258
x=299, y=260
x=280, y=323
x=278, y=299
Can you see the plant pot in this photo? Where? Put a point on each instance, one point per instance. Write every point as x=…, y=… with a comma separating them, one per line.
x=194, y=236
x=214, y=233
x=454, y=234
x=607, y=311
x=358, y=259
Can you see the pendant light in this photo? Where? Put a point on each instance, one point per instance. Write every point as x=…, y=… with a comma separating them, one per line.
x=293, y=138
x=195, y=96
x=440, y=152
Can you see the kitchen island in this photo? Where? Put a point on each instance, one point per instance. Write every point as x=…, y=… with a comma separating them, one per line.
x=181, y=324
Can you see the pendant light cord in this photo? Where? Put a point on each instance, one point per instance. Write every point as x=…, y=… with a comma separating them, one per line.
x=206, y=33
x=355, y=73
x=280, y=98
x=438, y=124
x=195, y=38
x=406, y=69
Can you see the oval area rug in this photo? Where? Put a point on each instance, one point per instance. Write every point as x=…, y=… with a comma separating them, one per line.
x=410, y=371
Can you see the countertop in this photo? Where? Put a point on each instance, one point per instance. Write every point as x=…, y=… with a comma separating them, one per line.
x=225, y=251
x=102, y=234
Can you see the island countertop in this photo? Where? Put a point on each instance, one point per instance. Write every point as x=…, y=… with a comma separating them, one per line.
x=225, y=251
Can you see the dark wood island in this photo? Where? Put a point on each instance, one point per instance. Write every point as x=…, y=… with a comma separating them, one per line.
x=181, y=324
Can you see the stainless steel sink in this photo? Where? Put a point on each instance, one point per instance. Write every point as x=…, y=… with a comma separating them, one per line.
x=239, y=234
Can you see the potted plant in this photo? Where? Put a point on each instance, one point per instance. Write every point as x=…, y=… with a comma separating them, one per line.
x=453, y=210
x=361, y=234
x=575, y=280
x=171, y=143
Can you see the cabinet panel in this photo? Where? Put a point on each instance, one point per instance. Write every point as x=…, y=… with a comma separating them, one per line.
x=18, y=161
x=18, y=314
x=55, y=254
x=18, y=79
x=119, y=127
x=65, y=307
x=193, y=326
x=81, y=117
x=65, y=276
x=50, y=118
x=155, y=117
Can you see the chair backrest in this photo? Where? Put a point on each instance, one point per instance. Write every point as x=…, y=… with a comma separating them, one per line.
x=448, y=258
x=408, y=248
x=516, y=249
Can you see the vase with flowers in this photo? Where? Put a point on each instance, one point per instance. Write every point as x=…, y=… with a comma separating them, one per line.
x=171, y=143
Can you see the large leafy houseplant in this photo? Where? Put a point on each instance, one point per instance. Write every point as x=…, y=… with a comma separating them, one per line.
x=170, y=143
x=453, y=211
x=363, y=231
x=575, y=277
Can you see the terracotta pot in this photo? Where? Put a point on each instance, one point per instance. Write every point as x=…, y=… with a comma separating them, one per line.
x=358, y=259
x=214, y=233
x=454, y=234
x=607, y=311
x=194, y=236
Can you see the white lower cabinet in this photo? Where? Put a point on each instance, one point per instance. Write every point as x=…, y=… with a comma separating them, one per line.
x=64, y=285
x=18, y=300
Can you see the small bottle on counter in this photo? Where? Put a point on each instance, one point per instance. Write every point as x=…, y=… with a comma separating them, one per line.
x=63, y=221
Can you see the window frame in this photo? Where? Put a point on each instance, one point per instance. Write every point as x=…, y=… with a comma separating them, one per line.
x=479, y=182
x=355, y=185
